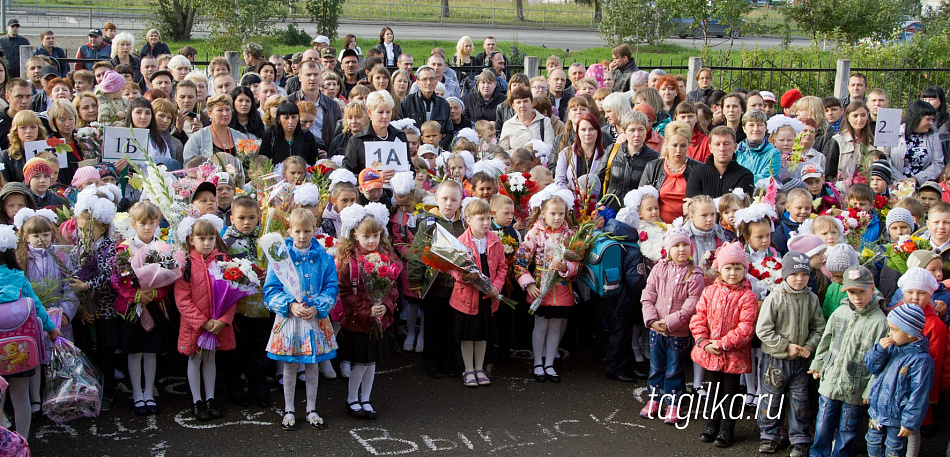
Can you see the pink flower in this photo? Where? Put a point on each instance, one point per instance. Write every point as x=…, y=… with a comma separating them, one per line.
x=644, y=236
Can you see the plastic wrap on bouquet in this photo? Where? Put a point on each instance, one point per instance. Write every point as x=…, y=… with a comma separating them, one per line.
x=73, y=384
x=553, y=252
x=224, y=296
x=446, y=254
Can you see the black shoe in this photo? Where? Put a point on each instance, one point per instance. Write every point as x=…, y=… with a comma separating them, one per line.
x=453, y=373
x=638, y=373
x=371, y=414
x=724, y=438
x=139, y=408
x=151, y=408
x=200, y=411
x=436, y=373
x=552, y=377
x=622, y=377
x=768, y=447
x=213, y=410
x=289, y=422
x=540, y=377
x=709, y=434
x=355, y=413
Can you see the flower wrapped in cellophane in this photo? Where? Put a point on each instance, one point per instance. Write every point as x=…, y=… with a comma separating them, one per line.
x=380, y=275
x=73, y=383
x=230, y=282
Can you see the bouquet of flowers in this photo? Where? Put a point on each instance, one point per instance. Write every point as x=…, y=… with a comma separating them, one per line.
x=765, y=274
x=519, y=187
x=586, y=235
x=445, y=253
x=161, y=189
x=328, y=243
x=651, y=240
x=509, y=242
x=276, y=206
x=320, y=175
x=883, y=205
x=855, y=224
x=553, y=252
x=230, y=282
x=149, y=267
x=897, y=253
x=903, y=189
x=73, y=383
x=90, y=140
x=247, y=150
x=379, y=274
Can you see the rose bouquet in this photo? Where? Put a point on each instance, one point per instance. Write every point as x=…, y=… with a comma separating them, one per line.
x=148, y=267
x=553, y=252
x=247, y=150
x=855, y=224
x=328, y=243
x=651, y=240
x=897, y=253
x=519, y=187
x=320, y=175
x=379, y=274
x=765, y=275
x=230, y=282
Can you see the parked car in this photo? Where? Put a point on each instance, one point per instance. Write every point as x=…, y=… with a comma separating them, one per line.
x=685, y=27
x=912, y=26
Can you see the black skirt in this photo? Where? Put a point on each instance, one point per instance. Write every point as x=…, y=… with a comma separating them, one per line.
x=478, y=327
x=108, y=332
x=136, y=339
x=554, y=312
x=358, y=347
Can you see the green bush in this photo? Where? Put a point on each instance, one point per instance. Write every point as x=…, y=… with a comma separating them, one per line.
x=292, y=36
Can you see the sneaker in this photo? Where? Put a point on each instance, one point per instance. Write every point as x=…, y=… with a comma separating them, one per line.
x=326, y=369
x=768, y=446
x=200, y=411
x=650, y=410
x=672, y=415
x=345, y=369
x=799, y=450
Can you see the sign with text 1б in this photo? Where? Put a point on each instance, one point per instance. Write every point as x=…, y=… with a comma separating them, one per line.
x=32, y=148
x=387, y=155
x=888, y=126
x=119, y=142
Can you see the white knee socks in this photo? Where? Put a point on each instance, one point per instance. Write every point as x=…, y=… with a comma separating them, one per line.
x=201, y=367
x=538, y=338
x=135, y=376
x=290, y=385
x=356, y=378
x=480, y=348
x=150, y=363
x=698, y=372
x=366, y=386
x=553, y=340
x=312, y=371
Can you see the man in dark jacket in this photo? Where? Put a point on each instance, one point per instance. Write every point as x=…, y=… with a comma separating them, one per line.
x=425, y=105
x=41, y=100
x=480, y=104
x=624, y=63
x=721, y=173
x=10, y=45
x=94, y=49
x=328, y=111
x=48, y=49
x=619, y=310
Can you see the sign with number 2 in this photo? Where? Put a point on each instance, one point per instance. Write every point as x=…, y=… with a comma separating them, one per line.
x=387, y=155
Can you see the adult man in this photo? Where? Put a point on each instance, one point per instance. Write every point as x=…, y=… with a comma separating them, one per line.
x=147, y=66
x=265, y=90
x=253, y=56
x=877, y=99
x=33, y=67
x=18, y=96
x=721, y=173
x=328, y=58
x=857, y=87
x=162, y=80
x=48, y=49
x=496, y=62
x=109, y=32
x=222, y=84
x=10, y=45
x=576, y=72
x=490, y=45
x=938, y=228
x=559, y=98
x=423, y=105
x=293, y=83
x=328, y=110
x=350, y=63
x=94, y=49
x=320, y=43
x=406, y=62
x=436, y=62
x=625, y=65
x=41, y=100
x=100, y=68
x=278, y=62
x=480, y=104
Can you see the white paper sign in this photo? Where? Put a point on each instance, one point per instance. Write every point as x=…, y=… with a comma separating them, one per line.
x=887, y=129
x=33, y=148
x=387, y=155
x=117, y=142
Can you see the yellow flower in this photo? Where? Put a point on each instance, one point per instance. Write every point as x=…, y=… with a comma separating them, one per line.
x=867, y=253
x=136, y=181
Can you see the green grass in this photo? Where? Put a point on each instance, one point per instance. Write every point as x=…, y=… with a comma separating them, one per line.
x=488, y=12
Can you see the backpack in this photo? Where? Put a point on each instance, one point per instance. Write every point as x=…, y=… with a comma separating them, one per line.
x=20, y=334
x=602, y=270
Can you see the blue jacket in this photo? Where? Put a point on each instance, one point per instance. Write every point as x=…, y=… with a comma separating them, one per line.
x=633, y=267
x=873, y=232
x=782, y=233
x=941, y=294
x=900, y=389
x=763, y=160
x=13, y=285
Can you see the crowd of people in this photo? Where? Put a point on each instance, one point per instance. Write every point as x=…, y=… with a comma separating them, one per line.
x=770, y=248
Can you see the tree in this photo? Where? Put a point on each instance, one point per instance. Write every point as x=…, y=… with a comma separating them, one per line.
x=326, y=13
x=847, y=21
x=519, y=4
x=175, y=19
x=728, y=12
x=232, y=22
x=445, y=8
x=636, y=21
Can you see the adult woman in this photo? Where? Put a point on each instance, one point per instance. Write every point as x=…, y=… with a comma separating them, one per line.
x=650, y=96
x=704, y=79
x=333, y=87
x=624, y=166
x=121, y=53
x=400, y=83
x=616, y=106
x=165, y=114
x=390, y=51
x=26, y=127
x=505, y=111
x=669, y=173
x=349, y=42
x=583, y=157
x=670, y=93
x=87, y=105
x=527, y=124
x=143, y=117
x=463, y=56
x=849, y=149
x=286, y=138
x=201, y=82
x=268, y=72
x=379, y=107
x=732, y=111
x=938, y=99
x=755, y=152
x=457, y=115
x=218, y=138
x=354, y=121
x=586, y=86
x=153, y=45
x=189, y=119
x=381, y=79
x=577, y=107
x=180, y=66
x=246, y=118
x=918, y=154
x=687, y=112
x=62, y=121
x=251, y=80
x=481, y=103
x=4, y=77
x=269, y=111
x=59, y=89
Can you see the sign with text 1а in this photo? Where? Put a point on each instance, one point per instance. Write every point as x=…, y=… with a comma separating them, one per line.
x=387, y=155
x=887, y=128
x=119, y=142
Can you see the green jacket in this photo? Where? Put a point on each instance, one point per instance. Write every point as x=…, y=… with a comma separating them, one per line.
x=833, y=297
x=789, y=316
x=849, y=335
x=444, y=283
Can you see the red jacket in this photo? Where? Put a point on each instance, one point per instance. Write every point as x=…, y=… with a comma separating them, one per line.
x=726, y=314
x=194, y=301
x=699, y=146
x=354, y=304
x=465, y=297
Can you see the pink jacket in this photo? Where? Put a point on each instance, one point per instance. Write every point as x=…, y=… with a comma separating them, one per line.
x=726, y=314
x=465, y=297
x=194, y=301
x=671, y=296
x=532, y=251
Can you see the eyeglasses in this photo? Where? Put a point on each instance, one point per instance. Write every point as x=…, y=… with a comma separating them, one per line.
x=541, y=88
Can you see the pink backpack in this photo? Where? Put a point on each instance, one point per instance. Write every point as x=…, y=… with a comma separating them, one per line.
x=19, y=337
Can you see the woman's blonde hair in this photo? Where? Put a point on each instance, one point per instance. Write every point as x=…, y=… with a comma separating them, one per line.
x=61, y=108
x=23, y=118
x=77, y=102
x=221, y=99
x=816, y=111
x=123, y=37
x=673, y=129
x=459, y=46
x=353, y=109
x=378, y=98
x=272, y=102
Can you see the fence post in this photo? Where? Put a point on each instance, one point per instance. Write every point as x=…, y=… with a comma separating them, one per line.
x=842, y=74
x=531, y=66
x=695, y=64
x=26, y=51
x=234, y=58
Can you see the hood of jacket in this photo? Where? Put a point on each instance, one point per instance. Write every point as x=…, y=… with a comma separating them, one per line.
x=11, y=284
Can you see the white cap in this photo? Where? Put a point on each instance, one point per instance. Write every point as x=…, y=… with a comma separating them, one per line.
x=321, y=39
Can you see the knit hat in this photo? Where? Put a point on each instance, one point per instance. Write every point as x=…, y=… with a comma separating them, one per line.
x=921, y=258
x=112, y=82
x=731, y=253
x=882, y=169
x=807, y=243
x=812, y=170
x=84, y=174
x=918, y=279
x=790, y=97
x=794, y=262
x=899, y=215
x=857, y=278
x=370, y=179
x=909, y=318
x=841, y=257
x=34, y=166
x=676, y=235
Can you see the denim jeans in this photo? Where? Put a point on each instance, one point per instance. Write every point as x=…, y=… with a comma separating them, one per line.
x=778, y=377
x=838, y=421
x=668, y=358
x=883, y=441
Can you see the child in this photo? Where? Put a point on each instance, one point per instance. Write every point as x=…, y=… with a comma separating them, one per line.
x=55, y=187
x=202, y=240
x=486, y=131
x=431, y=135
x=402, y=225
x=813, y=175
x=797, y=210
x=790, y=326
x=15, y=196
x=224, y=193
x=318, y=284
x=723, y=327
x=930, y=261
x=371, y=189
x=422, y=177
x=457, y=169
x=840, y=257
x=503, y=224
x=439, y=355
x=16, y=286
x=881, y=177
x=702, y=229
x=814, y=249
x=113, y=109
x=899, y=222
x=828, y=228
x=903, y=379
x=929, y=193
x=916, y=208
x=484, y=186
x=36, y=174
x=543, y=176
x=850, y=333
x=669, y=301
x=429, y=153
x=522, y=160
x=861, y=196
x=364, y=232
x=343, y=193
x=141, y=339
x=548, y=225
x=755, y=225
x=204, y=199
x=833, y=113
x=474, y=321
x=294, y=170
x=781, y=198
x=728, y=205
